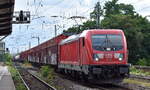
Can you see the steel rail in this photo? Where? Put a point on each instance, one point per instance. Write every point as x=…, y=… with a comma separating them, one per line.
x=22, y=79
x=42, y=81
x=140, y=77
x=141, y=67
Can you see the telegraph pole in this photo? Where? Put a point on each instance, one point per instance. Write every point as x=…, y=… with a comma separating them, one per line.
x=55, y=30
x=38, y=38
x=55, y=26
x=29, y=45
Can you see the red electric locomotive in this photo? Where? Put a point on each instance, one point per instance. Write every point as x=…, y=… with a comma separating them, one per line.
x=98, y=54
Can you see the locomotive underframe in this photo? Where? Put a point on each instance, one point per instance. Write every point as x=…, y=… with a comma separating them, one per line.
x=99, y=71
x=109, y=71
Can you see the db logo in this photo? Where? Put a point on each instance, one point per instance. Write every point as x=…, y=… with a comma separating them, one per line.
x=108, y=55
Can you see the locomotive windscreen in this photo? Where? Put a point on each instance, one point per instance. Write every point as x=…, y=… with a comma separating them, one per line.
x=107, y=42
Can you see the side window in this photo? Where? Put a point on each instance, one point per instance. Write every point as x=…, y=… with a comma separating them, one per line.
x=83, y=42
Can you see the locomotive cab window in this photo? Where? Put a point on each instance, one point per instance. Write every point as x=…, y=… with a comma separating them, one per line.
x=107, y=42
x=83, y=42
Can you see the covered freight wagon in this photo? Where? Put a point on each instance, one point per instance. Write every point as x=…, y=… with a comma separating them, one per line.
x=45, y=53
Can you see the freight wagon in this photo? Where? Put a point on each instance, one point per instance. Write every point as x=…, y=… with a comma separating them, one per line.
x=45, y=53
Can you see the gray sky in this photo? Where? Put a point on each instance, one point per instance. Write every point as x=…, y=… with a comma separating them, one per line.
x=44, y=27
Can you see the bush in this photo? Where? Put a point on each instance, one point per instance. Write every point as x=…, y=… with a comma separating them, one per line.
x=9, y=63
x=8, y=59
x=16, y=78
x=13, y=72
x=47, y=72
x=135, y=71
x=21, y=87
x=44, y=71
x=143, y=62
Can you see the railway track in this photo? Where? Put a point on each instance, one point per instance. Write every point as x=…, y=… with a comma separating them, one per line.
x=93, y=85
x=140, y=77
x=144, y=68
x=90, y=86
x=32, y=82
x=109, y=87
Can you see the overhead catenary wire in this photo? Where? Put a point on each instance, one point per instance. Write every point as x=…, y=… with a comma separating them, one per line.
x=51, y=6
x=137, y=2
x=147, y=7
x=85, y=12
x=43, y=10
x=38, y=7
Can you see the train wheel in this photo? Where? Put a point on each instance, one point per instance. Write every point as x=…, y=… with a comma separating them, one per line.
x=65, y=71
x=72, y=74
x=76, y=75
x=85, y=77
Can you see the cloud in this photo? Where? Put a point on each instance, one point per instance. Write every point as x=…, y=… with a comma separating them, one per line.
x=87, y=2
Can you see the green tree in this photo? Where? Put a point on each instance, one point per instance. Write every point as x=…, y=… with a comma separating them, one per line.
x=97, y=10
x=88, y=25
x=136, y=28
x=113, y=8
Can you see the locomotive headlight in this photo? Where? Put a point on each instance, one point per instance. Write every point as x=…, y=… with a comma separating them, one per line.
x=118, y=56
x=97, y=57
x=121, y=57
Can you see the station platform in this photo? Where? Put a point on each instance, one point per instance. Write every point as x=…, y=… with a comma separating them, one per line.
x=6, y=82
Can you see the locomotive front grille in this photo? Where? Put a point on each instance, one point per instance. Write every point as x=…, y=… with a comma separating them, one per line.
x=108, y=55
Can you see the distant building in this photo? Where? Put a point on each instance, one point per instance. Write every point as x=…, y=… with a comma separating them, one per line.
x=2, y=51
